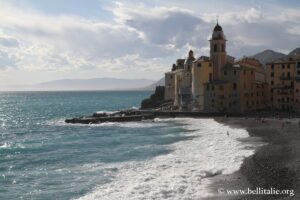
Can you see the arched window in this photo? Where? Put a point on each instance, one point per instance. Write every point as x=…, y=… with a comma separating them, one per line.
x=215, y=48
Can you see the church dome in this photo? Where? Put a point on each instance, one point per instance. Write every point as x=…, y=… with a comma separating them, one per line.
x=218, y=28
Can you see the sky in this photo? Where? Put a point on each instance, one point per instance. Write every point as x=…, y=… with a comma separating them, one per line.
x=64, y=39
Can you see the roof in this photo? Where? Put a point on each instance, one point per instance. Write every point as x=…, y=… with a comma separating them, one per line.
x=218, y=28
x=202, y=58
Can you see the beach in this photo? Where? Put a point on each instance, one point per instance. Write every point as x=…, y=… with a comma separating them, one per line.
x=275, y=166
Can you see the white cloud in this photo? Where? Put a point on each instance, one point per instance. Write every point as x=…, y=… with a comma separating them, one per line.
x=138, y=38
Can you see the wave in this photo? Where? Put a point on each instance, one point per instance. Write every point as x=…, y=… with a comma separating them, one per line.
x=185, y=171
x=139, y=124
x=8, y=145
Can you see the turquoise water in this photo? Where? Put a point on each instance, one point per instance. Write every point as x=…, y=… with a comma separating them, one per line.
x=41, y=157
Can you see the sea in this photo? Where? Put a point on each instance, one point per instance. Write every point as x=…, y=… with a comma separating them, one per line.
x=42, y=157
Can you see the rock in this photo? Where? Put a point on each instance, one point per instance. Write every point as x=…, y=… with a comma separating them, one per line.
x=155, y=99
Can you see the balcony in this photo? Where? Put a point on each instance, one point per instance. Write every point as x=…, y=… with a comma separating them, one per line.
x=284, y=78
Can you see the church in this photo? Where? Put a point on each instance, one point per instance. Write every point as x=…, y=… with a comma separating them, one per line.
x=217, y=83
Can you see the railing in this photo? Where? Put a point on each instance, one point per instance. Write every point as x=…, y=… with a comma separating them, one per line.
x=285, y=78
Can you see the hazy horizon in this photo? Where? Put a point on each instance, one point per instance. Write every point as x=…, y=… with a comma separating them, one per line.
x=42, y=41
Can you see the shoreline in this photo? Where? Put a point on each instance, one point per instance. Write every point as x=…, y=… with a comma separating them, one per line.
x=273, y=165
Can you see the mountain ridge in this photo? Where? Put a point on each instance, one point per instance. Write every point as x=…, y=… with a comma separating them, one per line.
x=105, y=83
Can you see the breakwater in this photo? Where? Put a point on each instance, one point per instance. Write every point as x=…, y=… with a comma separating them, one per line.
x=139, y=115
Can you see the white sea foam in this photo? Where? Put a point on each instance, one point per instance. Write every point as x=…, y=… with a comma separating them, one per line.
x=105, y=111
x=182, y=173
x=5, y=146
x=142, y=124
x=8, y=145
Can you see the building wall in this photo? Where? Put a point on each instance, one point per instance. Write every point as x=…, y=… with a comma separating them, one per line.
x=169, y=86
x=178, y=79
x=201, y=74
x=217, y=97
x=280, y=78
x=218, y=56
x=297, y=96
x=241, y=92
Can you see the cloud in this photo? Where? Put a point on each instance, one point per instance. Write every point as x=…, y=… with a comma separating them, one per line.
x=9, y=42
x=7, y=61
x=138, y=38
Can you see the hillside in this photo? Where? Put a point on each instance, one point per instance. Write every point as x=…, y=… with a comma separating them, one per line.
x=83, y=84
x=268, y=56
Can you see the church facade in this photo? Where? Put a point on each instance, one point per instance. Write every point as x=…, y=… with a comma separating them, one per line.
x=217, y=83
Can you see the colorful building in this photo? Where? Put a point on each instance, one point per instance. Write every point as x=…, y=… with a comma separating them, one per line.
x=217, y=83
x=283, y=77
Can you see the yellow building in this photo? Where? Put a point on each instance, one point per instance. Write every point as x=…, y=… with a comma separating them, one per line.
x=217, y=83
x=202, y=72
x=240, y=90
x=283, y=80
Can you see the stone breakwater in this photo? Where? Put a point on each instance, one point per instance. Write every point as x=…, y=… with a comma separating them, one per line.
x=139, y=115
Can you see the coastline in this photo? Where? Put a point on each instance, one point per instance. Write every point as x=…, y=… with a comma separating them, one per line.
x=273, y=165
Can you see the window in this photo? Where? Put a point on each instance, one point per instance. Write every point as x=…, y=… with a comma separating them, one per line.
x=234, y=86
x=215, y=48
x=298, y=72
x=297, y=90
x=251, y=72
x=199, y=65
x=272, y=66
x=213, y=87
x=210, y=77
x=234, y=72
x=288, y=66
x=245, y=72
x=207, y=87
x=298, y=65
x=210, y=64
x=283, y=66
x=171, y=76
x=221, y=87
x=225, y=73
x=272, y=74
x=289, y=74
x=272, y=82
x=223, y=47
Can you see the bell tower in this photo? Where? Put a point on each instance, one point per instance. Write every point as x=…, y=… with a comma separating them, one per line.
x=218, y=51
